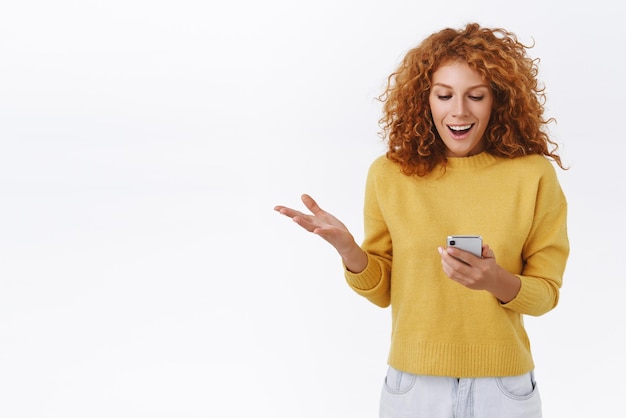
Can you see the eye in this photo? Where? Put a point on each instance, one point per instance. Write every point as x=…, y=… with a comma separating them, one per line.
x=441, y=97
x=476, y=98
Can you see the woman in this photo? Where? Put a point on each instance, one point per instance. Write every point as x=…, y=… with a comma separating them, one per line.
x=468, y=154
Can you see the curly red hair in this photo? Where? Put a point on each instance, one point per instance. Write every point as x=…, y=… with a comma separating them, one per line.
x=517, y=126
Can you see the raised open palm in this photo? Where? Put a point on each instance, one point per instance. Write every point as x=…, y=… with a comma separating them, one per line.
x=330, y=228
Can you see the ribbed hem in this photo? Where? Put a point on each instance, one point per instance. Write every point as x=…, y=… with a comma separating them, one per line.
x=456, y=360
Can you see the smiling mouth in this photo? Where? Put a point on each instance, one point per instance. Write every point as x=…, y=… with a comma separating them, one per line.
x=458, y=131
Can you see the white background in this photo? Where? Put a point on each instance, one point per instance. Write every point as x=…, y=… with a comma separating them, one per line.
x=143, y=145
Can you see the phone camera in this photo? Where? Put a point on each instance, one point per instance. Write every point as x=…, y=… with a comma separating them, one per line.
x=452, y=242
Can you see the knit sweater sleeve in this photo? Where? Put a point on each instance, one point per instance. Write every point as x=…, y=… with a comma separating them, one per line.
x=545, y=252
x=374, y=282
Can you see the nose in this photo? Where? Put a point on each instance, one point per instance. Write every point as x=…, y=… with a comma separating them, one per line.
x=460, y=107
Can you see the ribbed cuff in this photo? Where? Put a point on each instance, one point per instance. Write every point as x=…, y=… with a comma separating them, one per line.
x=535, y=297
x=366, y=280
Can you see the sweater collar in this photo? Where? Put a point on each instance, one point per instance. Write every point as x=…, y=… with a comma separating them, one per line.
x=475, y=161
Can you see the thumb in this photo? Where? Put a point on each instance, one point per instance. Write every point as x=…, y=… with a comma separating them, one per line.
x=310, y=203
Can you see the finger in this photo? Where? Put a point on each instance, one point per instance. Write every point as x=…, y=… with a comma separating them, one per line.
x=311, y=204
x=488, y=252
x=460, y=255
x=305, y=222
x=283, y=210
x=449, y=263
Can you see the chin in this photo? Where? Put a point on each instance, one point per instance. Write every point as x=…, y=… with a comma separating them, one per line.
x=459, y=153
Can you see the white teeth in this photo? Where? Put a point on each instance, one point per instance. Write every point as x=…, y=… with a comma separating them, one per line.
x=459, y=128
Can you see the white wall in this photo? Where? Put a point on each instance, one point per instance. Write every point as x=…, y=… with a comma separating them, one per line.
x=143, y=144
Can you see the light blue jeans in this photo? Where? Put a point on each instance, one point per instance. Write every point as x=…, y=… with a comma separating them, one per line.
x=406, y=395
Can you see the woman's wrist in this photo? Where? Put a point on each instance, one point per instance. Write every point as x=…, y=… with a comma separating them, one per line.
x=507, y=286
x=355, y=259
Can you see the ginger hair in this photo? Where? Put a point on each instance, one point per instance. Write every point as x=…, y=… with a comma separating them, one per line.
x=516, y=127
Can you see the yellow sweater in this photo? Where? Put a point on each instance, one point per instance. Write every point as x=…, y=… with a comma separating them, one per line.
x=440, y=327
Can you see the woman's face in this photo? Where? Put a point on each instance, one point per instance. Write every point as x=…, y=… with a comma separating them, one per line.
x=460, y=103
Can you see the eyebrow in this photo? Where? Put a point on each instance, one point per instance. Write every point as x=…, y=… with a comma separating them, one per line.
x=469, y=88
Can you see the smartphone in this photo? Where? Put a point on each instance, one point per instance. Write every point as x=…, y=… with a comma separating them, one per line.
x=470, y=243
